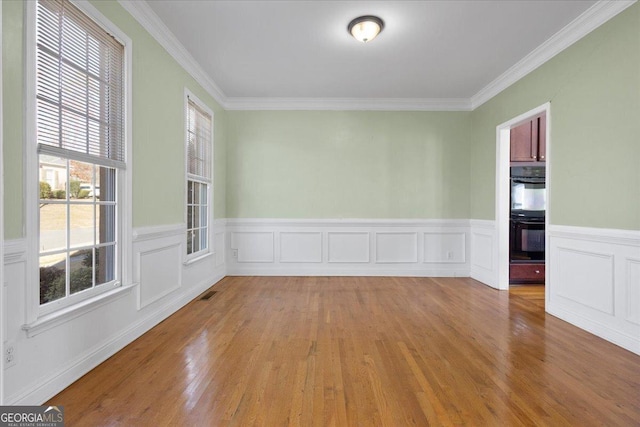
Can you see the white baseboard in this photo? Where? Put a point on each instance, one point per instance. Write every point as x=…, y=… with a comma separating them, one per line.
x=628, y=342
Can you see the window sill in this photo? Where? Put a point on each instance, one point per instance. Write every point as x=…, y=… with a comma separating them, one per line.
x=59, y=317
x=198, y=258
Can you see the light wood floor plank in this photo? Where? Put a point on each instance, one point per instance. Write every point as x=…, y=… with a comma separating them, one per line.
x=360, y=351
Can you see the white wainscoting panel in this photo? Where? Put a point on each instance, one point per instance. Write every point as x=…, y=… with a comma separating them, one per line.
x=444, y=248
x=15, y=274
x=219, y=243
x=300, y=246
x=396, y=247
x=594, y=281
x=253, y=246
x=483, y=252
x=320, y=247
x=632, y=291
x=584, y=277
x=158, y=257
x=160, y=273
x=348, y=246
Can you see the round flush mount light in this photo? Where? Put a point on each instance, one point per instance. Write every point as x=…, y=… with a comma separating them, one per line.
x=365, y=28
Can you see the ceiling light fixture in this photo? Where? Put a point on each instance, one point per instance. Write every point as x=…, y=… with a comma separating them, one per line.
x=365, y=28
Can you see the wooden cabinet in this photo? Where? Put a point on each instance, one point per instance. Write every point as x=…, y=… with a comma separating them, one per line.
x=542, y=138
x=529, y=141
x=526, y=273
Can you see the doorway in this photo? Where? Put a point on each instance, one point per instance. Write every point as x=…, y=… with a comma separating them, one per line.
x=503, y=192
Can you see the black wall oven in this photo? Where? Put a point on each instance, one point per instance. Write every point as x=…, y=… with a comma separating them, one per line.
x=528, y=207
x=527, y=240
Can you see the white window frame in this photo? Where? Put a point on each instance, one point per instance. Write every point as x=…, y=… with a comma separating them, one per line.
x=2, y=292
x=196, y=256
x=37, y=316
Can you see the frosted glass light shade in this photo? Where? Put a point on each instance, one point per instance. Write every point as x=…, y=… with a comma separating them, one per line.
x=365, y=28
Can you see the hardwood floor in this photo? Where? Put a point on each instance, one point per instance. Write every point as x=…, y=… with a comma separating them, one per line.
x=354, y=351
x=532, y=293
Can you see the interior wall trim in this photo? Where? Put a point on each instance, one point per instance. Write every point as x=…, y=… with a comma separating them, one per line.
x=15, y=250
x=141, y=234
x=602, y=235
x=601, y=12
x=350, y=222
x=341, y=104
x=348, y=247
x=593, y=281
x=483, y=251
x=146, y=17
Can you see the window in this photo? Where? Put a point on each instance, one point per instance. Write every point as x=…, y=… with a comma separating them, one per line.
x=199, y=123
x=80, y=137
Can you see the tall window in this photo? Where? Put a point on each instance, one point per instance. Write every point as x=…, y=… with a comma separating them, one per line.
x=199, y=123
x=81, y=150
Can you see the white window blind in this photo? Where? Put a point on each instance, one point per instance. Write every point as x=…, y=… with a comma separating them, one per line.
x=198, y=142
x=80, y=105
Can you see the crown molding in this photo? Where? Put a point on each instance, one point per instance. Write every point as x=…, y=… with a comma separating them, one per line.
x=340, y=104
x=601, y=12
x=142, y=13
x=589, y=20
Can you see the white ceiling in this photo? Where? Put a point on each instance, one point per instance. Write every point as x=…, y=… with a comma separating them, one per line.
x=301, y=49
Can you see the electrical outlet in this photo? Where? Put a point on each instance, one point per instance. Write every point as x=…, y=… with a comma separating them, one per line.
x=10, y=357
x=235, y=253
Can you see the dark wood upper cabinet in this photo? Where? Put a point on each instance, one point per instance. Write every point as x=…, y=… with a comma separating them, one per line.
x=521, y=142
x=528, y=141
x=542, y=138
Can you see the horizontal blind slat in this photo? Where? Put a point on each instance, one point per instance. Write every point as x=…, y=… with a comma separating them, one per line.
x=81, y=157
x=80, y=84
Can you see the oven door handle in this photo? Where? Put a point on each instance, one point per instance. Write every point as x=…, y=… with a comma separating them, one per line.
x=528, y=180
x=528, y=222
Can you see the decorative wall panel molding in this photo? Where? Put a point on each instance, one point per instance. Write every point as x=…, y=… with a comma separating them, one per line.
x=300, y=246
x=483, y=252
x=219, y=243
x=632, y=291
x=159, y=273
x=253, y=246
x=348, y=247
x=584, y=277
x=396, y=247
x=445, y=247
x=594, y=281
x=158, y=232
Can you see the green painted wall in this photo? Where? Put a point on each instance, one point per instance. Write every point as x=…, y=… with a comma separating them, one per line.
x=12, y=107
x=321, y=164
x=594, y=89
x=348, y=164
x=158, y=125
